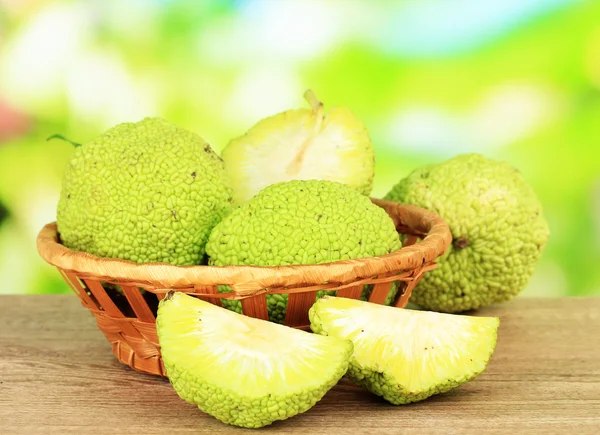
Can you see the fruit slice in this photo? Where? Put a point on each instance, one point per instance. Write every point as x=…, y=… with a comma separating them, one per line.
x=301, y=144
x=405, y=355
x=244, y=371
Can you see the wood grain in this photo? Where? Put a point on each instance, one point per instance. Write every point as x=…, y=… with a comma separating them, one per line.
x=58, y=376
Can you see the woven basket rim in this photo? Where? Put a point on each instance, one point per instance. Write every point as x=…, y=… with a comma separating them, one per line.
x=252, y=278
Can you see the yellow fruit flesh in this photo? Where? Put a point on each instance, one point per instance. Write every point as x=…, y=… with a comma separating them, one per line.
x=243, y=371
x=416, y=353
x=302, y=144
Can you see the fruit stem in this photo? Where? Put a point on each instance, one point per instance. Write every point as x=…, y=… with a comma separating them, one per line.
x=317, y=106
x=312, y=99
x=461, y=243
x=61, y=137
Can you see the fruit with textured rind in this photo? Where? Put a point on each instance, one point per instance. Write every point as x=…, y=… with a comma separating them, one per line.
x=301, y=222
x=301, y=144
x=244, y=371
x=404, y=355
x=497, y=226
x=147, y=192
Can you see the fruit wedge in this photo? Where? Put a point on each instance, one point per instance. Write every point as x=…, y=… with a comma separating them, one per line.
x=405, y=355
x=243, y=371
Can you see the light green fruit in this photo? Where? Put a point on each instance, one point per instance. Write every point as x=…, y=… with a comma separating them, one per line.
x=497, y=226
x=368, y=290
x=147, y=192
x=302, y=144
x=301, y=222
x=243, y=371
x=404, y=355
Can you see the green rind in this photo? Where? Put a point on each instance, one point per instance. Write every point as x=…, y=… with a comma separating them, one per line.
x=390, y=298
x=232, y=408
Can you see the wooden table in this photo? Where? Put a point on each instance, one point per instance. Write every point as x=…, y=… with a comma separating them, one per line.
x=58, y=376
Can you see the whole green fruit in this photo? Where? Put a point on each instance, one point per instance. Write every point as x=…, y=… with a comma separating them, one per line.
x=301, y=222
x=147, y=192
x=497, y=226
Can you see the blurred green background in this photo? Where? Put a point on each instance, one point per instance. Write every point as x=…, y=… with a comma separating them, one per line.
x=515, y=80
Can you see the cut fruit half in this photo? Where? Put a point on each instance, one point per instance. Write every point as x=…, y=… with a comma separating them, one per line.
x=243, y=371
x=301, y=144
x=405, y=355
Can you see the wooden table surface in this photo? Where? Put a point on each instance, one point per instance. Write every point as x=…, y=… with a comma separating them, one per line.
x=58, y=376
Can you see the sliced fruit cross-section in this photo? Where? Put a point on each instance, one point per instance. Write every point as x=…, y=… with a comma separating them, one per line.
x=244, y=371
x=301, y=144
x=405, y=355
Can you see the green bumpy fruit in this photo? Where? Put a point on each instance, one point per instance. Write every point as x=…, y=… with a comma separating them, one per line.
x=243, y=371
x=404, y=355
x=497, y=226
x=301, y=222
x=146, y=192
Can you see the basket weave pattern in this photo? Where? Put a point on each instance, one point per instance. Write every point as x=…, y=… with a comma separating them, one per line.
x=127, y=318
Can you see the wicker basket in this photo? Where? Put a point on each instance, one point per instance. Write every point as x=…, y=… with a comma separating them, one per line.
x=127, y=318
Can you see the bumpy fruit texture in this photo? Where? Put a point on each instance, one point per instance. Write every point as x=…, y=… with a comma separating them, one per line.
x=243, y=371
x=147, y=192
x=497, y=225
x=301, y=222
x=403, y=355
x=368, y=290
x=302, y=144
